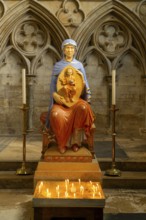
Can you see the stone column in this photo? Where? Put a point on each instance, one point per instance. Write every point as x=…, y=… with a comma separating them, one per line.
x=143, y=130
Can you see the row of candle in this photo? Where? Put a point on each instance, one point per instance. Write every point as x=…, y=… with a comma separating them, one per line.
x=71, y=188
x=113, y=86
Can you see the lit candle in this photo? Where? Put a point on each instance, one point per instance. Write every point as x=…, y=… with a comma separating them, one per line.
x=66, y=184
x=66, y=194
x=82, y=190
x=57, y=188
x=40, y=186
x=73, y=188
x=74, y=195
x=48, y=193
x=23, y=86
x=79, y=181
x=93, y=187
x=90, y=182
x=113, y=87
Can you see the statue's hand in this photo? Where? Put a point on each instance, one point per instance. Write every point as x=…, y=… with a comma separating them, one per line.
x=58, y=99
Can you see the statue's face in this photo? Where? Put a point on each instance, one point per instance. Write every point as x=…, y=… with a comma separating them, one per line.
x=69, y=51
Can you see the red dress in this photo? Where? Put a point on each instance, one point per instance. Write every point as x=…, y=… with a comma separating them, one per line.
x=64, y=120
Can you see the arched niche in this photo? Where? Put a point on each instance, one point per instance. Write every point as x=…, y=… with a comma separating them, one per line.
x=97, y=68
x=11, y=63
x=39, y=87
x=130, y=93
x=111, y=10
x=26, y=10
x=24, y=18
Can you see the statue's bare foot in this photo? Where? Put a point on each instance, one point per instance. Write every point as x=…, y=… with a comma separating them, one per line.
x=62, y=150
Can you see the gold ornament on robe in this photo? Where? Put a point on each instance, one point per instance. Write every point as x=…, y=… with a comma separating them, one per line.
x=70, y=84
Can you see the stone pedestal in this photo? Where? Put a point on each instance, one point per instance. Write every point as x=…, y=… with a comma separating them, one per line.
x=75, y=167
x=71, y=165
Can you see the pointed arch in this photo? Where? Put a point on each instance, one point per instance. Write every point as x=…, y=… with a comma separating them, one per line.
x=55, y=55
x=31, y=8
x=8, y=50
x=134, y=53
x=111, y=9
x=93, y=49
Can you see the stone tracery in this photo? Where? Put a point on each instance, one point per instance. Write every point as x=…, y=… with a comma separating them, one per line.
x=102, y=39
x=2, y=9
x=142, y=11
x=30, y=37
x=70, y=14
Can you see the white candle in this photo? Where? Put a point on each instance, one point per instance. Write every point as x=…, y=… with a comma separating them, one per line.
x=23, y=86
x=113, y=87
x=66, y=194
x=73, y=188
x=82, y=190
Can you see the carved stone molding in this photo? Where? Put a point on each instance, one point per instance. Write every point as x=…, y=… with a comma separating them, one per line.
x=111, y=38
x=30, y=37
x=132, y=58
x=42, y=61
x=28, y=10
x=71, y=14
x=141, y=9
x=4, y=59
x=102, y=60
x=2, y=9
x=122, y=16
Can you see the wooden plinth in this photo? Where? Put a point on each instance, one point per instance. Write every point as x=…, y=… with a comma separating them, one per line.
x=57, y=213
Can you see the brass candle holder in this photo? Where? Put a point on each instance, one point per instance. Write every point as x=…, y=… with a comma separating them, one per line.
x=23, y=170
x=113, y=171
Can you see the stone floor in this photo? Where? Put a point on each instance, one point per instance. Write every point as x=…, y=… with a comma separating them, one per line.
x=120, y=203
x=11, y=147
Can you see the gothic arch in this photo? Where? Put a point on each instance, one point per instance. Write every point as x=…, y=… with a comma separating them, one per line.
x=104, y=60
x=55, y=55
x=134, y=53
x=32, y=9
x=111, y=10
x=25, y=62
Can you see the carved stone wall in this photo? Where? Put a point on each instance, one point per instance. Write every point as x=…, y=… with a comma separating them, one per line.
x=110, y=34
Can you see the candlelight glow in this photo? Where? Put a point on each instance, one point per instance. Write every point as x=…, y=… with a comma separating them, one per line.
x=74, y=190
